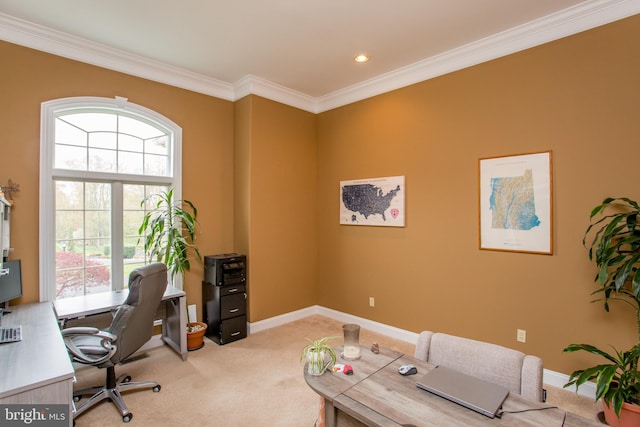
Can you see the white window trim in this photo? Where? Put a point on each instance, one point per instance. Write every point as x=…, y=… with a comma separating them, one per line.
x=48, y=174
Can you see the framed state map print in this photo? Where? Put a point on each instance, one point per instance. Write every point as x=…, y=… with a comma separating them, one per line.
x=515, y=203
x=377, y=201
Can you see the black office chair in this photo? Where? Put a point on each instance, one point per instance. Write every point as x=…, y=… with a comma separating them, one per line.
x=132, y=326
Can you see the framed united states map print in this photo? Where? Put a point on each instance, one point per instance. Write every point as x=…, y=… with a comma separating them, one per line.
x=515, y=203
x=377, y=201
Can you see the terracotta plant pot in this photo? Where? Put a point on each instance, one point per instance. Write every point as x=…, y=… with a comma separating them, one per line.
x=195, y=339
x=629, y=415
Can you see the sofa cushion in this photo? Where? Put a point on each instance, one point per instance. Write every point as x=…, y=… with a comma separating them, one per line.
x=499, y=365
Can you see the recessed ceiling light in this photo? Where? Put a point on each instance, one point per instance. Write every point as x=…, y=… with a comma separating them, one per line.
x=361, y=58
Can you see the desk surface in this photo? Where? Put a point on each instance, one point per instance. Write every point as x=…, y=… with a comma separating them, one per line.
x=40, y=358
x=378, y=396
x=86, y=305
x=174, y=322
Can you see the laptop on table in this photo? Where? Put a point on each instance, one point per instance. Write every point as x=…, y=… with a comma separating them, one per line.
x=478, y=395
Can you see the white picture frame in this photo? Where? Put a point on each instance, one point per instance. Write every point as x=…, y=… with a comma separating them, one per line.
x=375, y=202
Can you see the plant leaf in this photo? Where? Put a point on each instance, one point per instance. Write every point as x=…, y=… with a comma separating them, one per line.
x=163, y=228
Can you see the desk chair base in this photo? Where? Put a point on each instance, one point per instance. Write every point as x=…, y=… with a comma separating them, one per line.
x=113, y=391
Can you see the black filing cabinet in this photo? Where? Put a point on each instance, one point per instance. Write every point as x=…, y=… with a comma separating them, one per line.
x=224, y=297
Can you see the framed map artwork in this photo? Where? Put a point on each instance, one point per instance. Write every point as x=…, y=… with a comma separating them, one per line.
x=515, y=203
x=377, y=201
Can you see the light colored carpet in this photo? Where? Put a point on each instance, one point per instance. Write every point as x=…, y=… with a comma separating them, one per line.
x=255, y=382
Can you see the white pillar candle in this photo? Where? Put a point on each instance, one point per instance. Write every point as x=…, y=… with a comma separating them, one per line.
x=351, y=352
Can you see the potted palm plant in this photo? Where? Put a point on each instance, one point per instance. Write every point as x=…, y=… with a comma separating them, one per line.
x=613, y=240
x=319, y=355
x=169, y=233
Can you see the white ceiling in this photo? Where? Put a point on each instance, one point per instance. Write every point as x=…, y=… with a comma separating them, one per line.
x=296, y=51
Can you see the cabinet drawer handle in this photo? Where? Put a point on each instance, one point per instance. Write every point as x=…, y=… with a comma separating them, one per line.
x=233, y=310
x=233, y=290
x=235, y=333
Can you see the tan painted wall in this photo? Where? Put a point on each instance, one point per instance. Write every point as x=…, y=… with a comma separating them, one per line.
x=281, y=205
x=578, y=97
x=242, y=174
x=272, y=164
x=29, y=77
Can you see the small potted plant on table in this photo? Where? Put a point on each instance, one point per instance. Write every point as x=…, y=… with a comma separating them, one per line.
x=615, y=247
x=169, y=233
x=319, y=355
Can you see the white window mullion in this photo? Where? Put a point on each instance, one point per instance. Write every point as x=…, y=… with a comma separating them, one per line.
x=47, y=252
x=117, y=239
x=176, y=147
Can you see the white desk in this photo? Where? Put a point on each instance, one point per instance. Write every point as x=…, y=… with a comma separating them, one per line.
x=36, y=370
x=174, y=322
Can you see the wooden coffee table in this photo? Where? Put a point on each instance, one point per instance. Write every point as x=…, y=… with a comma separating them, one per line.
x=376, y=395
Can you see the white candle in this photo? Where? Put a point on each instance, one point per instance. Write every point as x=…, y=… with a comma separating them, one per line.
x=351, y=352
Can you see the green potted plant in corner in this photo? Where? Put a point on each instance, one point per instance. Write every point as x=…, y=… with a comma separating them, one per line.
x=169, y=233
x=614, y=245
x=319, y=355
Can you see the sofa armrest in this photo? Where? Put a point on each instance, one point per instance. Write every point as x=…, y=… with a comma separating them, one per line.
x=532, y=378
x=422, y=345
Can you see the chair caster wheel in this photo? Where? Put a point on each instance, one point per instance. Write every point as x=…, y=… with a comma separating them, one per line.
x=77, y=398
x=126, y=379
x=156, y=388
x=127, y=418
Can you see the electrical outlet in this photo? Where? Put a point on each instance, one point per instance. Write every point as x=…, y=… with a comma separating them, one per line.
x=522, y=335
x=372, y=302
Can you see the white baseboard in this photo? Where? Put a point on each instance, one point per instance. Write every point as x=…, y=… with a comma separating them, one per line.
x=552, y=378
x=281, y=319
x=381, y=328
x=558, y=379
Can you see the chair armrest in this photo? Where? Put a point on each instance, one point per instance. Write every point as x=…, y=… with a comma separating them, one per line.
x=95, y=352
x=79, y=330
x=87, y=330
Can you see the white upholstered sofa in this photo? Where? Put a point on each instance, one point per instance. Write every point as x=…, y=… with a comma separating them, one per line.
x=519, y=372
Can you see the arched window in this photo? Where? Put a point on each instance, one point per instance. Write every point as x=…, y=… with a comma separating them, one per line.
x=99, y=158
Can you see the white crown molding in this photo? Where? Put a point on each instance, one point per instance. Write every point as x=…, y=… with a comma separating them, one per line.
x=253, y=85
x=41, y=38
x=587, y=15
x=582, y=17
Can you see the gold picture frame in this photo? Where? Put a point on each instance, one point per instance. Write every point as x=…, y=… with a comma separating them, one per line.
x=515, y=203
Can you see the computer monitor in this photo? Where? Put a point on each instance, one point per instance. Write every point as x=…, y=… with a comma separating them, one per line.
x=10, y=284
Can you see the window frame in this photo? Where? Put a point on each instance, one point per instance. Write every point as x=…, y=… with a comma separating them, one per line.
x=48, y=175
